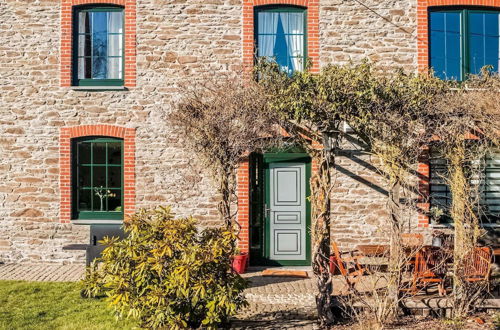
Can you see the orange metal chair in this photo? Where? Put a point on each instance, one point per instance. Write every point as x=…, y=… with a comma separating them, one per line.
x=428, y=269
x=478, y=264
x=348, y=265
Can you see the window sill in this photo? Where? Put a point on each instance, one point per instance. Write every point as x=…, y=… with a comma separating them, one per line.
x=98, y=88
x=451, y=226
x=96, y=222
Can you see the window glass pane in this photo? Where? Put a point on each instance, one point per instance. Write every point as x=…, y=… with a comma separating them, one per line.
x=114, y=153
x=115, y=68
x=84, y=22
x=115, y=45
x=99, y=68
x=99, y=152
x=483, y=41
x=84, y=45
x=84, y=68
x=99, y=176
x=115, y=201
x=295, y=23
x=99, y=198
x=115, y=22
x=114, y=177
x=267, y=22
x=84, y=176
x=83, y=153
x=445, y=44
x=84, y=197
x=266, y=45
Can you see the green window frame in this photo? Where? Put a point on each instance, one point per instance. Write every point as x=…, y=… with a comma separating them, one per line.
x=283, y=9
x=97, y=185
x=465, y=36
x=85, y=55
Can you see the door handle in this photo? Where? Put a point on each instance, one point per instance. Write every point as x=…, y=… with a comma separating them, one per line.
x=267, y=211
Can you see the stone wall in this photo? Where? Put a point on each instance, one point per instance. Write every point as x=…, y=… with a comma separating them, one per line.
x=359, y=200
x=385, y=32
x=177, y=43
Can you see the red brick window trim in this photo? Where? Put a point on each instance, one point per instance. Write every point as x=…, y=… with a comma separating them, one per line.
x=312, y=7
x=423, y=24
x=66, y=136
x=67, y=7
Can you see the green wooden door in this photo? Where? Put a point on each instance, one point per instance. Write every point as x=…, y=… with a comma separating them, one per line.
x=286, y=209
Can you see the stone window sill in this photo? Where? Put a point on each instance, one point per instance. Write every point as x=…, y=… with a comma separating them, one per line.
x=98, y=88
x=451, y=226
x=97, y=222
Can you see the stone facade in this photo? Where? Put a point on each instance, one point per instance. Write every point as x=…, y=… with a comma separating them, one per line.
x=177, y=42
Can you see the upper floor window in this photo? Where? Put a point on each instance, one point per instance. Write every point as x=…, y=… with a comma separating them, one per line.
x=280, y=36
x=97, y=178
x=98, y=46
x=462, y=41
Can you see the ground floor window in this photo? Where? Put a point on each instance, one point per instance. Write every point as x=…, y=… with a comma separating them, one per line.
x=97, y=185
x=486, y=178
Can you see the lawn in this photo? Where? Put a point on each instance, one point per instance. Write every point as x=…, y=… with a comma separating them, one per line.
x=38, y=305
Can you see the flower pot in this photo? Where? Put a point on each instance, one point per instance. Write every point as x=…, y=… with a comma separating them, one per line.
x=240, y=263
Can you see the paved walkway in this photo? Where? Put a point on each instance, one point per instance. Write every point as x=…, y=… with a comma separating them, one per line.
x=274, y=302
x=42, y=272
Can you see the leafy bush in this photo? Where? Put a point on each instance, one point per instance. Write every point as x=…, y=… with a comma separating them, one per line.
x=167, y=274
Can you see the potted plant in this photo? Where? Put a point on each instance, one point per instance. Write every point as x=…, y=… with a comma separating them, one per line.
x=240, y=262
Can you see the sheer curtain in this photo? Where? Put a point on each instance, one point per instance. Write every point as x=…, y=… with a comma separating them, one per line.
x=296, y=43
x=115, y=45
x=268, y=23
x=83, y=27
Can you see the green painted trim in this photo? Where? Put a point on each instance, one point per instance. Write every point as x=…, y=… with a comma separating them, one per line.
x=287, y=157
x=74, y=56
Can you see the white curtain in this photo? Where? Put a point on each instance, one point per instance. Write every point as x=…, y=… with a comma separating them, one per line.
x=81, y=44
x=296, y=39
x=268, y=23
x=115, y=45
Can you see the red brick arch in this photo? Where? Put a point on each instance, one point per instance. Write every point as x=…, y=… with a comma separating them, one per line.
x=67, y=36
x=68, y=133
x=312, y=29
x=423, y=26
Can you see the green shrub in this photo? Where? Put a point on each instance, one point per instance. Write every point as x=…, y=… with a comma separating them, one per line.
x=167, y=274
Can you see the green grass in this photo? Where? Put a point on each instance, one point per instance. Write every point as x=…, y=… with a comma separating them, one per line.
x=37, y=305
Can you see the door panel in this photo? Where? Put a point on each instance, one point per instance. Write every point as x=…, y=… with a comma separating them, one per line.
x=287, y=211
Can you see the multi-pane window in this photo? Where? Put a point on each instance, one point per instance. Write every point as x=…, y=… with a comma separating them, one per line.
x=486, y=180
x=98, y=46
x=462, y=41
x=98, y=178
x=491, y=188
x=280, y=36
